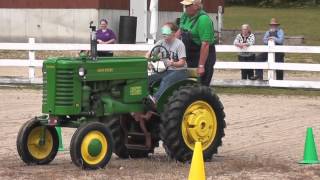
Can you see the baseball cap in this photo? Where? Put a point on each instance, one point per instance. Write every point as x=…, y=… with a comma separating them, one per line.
x=166, y=31
x=188, y=2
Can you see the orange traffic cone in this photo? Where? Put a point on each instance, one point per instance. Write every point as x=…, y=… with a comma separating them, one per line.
x=197, y=171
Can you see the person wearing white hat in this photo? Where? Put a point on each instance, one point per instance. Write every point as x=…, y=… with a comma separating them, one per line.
x=197, y=33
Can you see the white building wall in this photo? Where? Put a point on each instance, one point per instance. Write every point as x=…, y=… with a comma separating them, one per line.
x=64, y=25
x=46, y=25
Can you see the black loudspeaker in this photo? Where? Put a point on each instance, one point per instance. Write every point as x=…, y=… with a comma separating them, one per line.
x=127, y=30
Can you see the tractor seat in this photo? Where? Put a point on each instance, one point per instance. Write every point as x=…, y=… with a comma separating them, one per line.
x=192, y=73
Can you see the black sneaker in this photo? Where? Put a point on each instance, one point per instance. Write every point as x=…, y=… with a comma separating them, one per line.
x=150, y=103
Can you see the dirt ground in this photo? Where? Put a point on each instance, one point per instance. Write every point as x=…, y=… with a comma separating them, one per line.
x=264, y=140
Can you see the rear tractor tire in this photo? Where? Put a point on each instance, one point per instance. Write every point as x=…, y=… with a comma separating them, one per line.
x=91, y=146
x=37, y=144
x=193, y=113
x=119, y=147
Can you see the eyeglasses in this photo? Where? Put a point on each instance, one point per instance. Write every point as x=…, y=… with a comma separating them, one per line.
x=186, y=6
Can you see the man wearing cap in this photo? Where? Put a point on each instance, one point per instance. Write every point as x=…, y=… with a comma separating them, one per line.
x=197, y=33
x=276, y=34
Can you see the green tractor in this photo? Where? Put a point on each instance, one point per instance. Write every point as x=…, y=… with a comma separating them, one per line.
x=97, y=95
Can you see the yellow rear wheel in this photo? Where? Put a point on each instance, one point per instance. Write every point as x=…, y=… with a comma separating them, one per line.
x=193, y=113
x=199, y=124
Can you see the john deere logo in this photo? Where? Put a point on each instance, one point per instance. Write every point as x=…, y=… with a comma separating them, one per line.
x=135, y=91
x=105, y=70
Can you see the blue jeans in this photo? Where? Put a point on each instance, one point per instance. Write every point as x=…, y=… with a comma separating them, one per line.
x=168, y=78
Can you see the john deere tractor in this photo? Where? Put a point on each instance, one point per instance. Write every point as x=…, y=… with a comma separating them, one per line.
x=98, y=95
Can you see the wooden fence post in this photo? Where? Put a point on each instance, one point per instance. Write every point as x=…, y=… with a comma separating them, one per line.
x=271, y=59
x=32, y=58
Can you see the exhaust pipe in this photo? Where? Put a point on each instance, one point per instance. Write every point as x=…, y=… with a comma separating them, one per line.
x=93, y=41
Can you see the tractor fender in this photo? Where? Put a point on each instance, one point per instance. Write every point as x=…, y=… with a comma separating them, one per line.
x=169, y=91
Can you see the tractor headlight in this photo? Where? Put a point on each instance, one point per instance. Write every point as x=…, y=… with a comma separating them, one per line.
x=82, y=71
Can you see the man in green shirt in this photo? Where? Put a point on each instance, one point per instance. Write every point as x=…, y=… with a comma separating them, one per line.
x=197, y=32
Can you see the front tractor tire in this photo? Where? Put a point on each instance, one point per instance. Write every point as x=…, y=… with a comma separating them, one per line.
x=91, y=146
x=193, y=113
x=37, y=144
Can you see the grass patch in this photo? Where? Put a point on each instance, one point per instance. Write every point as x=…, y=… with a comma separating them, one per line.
x=21, y=86
x=289, y=58
x=229, y=57
x=294, y=21
x=267, y=91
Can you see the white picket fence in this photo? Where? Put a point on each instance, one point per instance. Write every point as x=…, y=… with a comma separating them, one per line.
x=270, y=65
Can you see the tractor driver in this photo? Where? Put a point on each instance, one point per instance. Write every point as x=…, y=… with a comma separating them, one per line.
x=176, y=63
x=176, y=70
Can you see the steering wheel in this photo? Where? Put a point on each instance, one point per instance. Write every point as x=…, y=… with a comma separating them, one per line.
x=158, y=56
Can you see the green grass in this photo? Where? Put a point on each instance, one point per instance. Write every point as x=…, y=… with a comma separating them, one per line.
x=267, y=91
x=294, y=21
x=289, y=57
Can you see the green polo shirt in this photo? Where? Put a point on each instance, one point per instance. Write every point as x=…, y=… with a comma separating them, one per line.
x=202, y=30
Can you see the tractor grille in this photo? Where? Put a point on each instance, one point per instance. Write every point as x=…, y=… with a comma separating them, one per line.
x=44, y=89
x=64, y=87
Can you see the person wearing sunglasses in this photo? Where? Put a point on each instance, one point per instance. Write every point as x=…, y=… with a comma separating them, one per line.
x=197, y=33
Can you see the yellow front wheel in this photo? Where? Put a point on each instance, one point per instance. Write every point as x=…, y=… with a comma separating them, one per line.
x=91, y=146
x=37, y=144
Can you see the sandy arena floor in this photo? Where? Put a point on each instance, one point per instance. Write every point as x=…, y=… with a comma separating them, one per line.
x=264, y=140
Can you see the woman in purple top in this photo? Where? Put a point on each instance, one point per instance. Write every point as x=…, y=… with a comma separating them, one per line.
x=105, y=36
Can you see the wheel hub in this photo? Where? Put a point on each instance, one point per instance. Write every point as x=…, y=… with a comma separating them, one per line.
x=199, y=124
x=37, y=149
x=94, y=147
